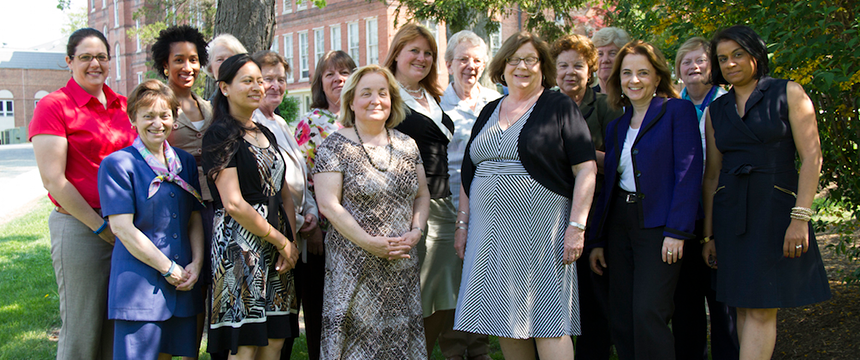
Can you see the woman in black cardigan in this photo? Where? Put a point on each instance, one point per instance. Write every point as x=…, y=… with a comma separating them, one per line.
x=528, y=179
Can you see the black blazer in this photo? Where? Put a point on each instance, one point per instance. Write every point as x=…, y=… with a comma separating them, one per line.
x=433, y=146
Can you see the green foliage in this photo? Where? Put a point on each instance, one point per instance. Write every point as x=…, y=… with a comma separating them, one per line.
x=75, y=19
x=814, y=43
x=289, y=108
x=549, y=18
x=197, y=13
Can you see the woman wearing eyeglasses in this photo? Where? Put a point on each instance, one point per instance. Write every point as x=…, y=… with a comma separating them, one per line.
x=528, y=179
x=73, y=129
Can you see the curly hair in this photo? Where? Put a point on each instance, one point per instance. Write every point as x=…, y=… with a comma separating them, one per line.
x=582, y=45
x=148, y=93
x=175, y=34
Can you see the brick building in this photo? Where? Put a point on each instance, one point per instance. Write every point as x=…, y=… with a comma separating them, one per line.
x=25, y=77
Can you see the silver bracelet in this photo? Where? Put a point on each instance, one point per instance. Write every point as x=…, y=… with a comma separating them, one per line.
x=577, y=225
x=462, y=227
x=170, y=271
x=419, y=229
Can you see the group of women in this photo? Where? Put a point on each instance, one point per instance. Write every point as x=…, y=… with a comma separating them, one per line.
x=396, y=214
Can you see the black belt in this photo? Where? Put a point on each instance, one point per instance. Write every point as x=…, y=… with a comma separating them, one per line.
x=629, y=197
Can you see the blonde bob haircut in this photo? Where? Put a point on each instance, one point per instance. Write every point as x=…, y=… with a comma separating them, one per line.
x=347, y=95
x=405, y=35
x=693, y=44
x=657, y=60
x=510, y=46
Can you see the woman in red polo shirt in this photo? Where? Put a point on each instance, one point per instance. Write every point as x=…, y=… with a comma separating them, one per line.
x=73, y=129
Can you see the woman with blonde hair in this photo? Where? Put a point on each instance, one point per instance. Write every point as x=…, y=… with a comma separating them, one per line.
x=370, y=184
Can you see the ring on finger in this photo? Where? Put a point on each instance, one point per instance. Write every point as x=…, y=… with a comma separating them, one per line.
x=669, y=252
x=799, y=246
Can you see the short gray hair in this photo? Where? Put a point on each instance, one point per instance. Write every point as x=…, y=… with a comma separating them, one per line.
x=609, y=36
x=228, y=41
x=470, y=38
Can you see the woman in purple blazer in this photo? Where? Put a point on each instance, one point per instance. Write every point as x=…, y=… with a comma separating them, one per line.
x=652, y=185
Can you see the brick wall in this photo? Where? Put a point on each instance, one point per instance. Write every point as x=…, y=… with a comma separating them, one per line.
x=25, y=83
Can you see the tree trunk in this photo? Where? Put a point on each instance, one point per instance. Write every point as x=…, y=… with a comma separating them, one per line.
x=250, y=21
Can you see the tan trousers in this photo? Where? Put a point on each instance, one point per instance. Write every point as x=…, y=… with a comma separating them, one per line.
x=81, y=262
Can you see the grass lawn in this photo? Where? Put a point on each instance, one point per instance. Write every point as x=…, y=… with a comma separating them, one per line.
x=29, y=306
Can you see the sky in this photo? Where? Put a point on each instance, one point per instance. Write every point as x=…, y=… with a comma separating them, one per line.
x=27, y=23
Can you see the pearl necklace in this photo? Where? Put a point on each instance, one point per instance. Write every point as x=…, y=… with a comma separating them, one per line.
x=366, y=154
x=413, y=93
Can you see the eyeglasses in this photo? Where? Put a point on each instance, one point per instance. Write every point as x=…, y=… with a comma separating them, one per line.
x=530, y=61
x=88, y=57
x=466, y=60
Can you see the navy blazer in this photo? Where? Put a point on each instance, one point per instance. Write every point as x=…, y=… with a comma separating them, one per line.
x=136, y=291
x=667, y=163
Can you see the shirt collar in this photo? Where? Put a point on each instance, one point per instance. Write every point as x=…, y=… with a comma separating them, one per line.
x=82, y=98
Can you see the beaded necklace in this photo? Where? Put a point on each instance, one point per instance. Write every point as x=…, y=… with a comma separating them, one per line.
x=366, y=154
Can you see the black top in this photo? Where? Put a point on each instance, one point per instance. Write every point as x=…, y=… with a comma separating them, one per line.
x=433, y=146
x=554, y=138
x=243, y=160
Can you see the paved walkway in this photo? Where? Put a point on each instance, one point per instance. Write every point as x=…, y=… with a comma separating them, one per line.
x=20, y=184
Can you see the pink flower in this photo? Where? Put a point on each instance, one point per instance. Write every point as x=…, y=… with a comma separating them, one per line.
x=303, y=133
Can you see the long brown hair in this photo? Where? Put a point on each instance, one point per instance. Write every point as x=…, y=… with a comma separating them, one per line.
x=657, y=60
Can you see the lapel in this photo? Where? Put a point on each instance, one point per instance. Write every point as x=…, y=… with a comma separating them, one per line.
x=655, y=113
x=205, y=110
x=730, y=112
x=588, y=103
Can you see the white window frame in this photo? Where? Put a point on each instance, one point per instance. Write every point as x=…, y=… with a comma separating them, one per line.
x=288, y=56
x=353, y=47
x=8, y=104
x=302, y=5
x=371, y=40
x=92, y=5
x=275, y=44
x=288, y=6
x=115, y=14
x=139, y=77
x=319, y=46
x=304, y=70
x=336, y=40
x=495, y=42
x=118, y=63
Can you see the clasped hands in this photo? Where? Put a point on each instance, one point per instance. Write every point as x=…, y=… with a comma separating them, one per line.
x=184, y=278
x=396, y=247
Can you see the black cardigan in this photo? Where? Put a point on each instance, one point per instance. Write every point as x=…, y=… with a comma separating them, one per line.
x=554, y=138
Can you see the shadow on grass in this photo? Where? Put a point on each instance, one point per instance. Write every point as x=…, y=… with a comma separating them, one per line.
x=4, y=239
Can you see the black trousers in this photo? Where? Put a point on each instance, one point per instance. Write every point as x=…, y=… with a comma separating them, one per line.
x=641, y=285
x=690, y=323
x=310, y=278
x=594, y=343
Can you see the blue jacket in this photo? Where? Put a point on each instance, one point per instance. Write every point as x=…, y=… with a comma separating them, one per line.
x=136, y=291
x=667, y=163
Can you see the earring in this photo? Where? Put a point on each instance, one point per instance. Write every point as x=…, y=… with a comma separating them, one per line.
x=166, y=74
x=224, y=92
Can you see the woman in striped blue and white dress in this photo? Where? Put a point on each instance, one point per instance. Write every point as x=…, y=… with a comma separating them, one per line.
x=528, y=179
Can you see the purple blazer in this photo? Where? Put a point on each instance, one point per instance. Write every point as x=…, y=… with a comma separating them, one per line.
x=667, y=163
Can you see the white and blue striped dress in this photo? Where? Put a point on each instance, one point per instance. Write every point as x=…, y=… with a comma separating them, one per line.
x=514, y=283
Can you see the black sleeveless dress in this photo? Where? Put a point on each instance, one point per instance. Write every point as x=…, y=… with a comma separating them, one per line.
x=752, y=205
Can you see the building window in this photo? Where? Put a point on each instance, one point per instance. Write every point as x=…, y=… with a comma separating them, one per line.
x=301, y=5
x=118, y=64
x=372, y=41
x=7, y=108
x=495, y=41
x=274, y=46
x=139, y=77
x=288, y=6
x=288, y=55
x=319, y=44
x=104, y=31
x=304, y=74
x=352, y=37
x=137, y=34
x=115, y=14
x=433, y=27
x=92, y=5
x=335, y=37
x=104, y=4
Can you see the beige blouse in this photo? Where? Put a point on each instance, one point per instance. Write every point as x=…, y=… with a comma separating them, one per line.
x=187, y=137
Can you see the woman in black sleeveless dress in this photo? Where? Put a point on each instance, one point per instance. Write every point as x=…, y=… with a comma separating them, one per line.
x=756, y=201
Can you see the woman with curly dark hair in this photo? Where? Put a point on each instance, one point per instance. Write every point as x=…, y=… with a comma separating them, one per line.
x=178, y=54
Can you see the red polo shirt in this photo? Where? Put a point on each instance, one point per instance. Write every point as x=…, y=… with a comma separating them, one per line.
x=93, y=132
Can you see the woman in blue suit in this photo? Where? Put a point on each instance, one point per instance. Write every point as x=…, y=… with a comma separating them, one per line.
x=151, y=194
x=653, y=176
